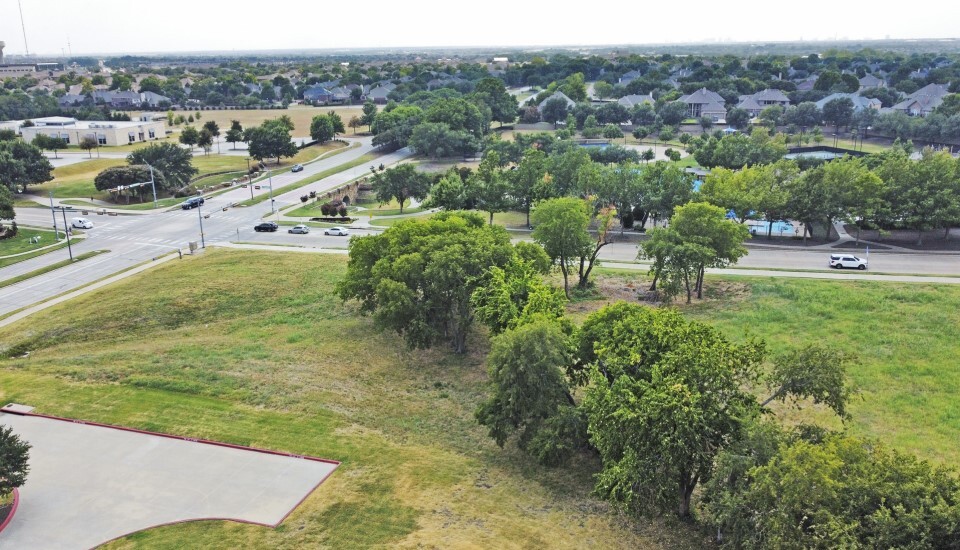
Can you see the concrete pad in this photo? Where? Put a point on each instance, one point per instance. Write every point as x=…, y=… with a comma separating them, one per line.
x=89, y=484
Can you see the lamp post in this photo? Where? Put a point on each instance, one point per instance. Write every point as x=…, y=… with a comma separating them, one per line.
x=66, y=228
x=249, y=178
x=270, y=179
x=56, y=234
x=153, y=186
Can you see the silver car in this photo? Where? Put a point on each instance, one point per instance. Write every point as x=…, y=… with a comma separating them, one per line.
x=299, y=229
x=340, y=231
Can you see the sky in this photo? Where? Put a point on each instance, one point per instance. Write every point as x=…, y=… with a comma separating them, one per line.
x=56, y=27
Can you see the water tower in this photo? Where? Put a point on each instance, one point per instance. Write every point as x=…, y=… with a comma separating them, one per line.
x=2, y=44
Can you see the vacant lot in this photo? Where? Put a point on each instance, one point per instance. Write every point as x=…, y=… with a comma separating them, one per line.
x=258, y=351
x=300, y=114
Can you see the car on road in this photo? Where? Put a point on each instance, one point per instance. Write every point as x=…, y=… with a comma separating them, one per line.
x=296, y=168
x=848, y=261
x=299, y=229
x=192, y=202
x=266, y=226
x=81, y=223
x=340, y=231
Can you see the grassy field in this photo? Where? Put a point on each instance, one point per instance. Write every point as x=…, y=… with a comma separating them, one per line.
x=905, y=335
x=301, y=115
x=258, y=351
x=76, y=180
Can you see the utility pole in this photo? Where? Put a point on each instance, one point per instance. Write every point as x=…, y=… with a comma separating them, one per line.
x=270, y=178
x=249, y=179
x=66, y=230
x=56, y=234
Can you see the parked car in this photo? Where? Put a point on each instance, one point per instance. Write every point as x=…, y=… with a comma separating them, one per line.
x=296, y=168
x=81, y=223
x=339, y=231
x=266, y=226
x=300, y=229
x=192, y=202
x=840, y=261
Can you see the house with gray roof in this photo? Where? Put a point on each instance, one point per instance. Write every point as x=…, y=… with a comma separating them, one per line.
x=859, y=102
x=869, y=81
x=704, y=102
x=117, y=99
x=71, y=100
x=923, y=101
x=558, y=94
x=151, y=99
x=629, y=77
x=631, y=101
x=755, y=103
x=379, y=94
x=317, y=94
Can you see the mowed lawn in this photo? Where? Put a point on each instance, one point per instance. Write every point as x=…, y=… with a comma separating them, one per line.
x=257, y=350
x=76, y=180
x=907, y=338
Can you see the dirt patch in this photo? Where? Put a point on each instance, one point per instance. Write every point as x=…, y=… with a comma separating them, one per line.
x=608, y=289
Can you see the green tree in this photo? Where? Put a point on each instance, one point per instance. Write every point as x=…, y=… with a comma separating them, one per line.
x=842, y=491
x=563, y=169
x=22, y=164
x=489, y=188
x=838, y=112
x=738, y=118
x=772, y=116
x=271, y=139
x=665, y=395
x=6, y=205
x=449, y=193
x=560, y=226
x=574, y=87
x=529, y=182
x=732, y=190
x=602, y=89
x=812, y=372
x=554, y=111
x=214, y=129
x=235, y=133
x=516, y=294
x=175, y=163
x=205, y=141
x=336, y=122
x=369, y=114
x=401, y=183
x=672, y=113
x=417, y=277
x=354, y=123
x=48, y=143
x=493, y=93
x=528, y=387
x=924, y=194
x=321, y=129
x=88, y=144
x=14, y=461
x=189, y=136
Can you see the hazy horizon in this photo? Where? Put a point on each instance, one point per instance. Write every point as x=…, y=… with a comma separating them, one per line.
x=112, y=27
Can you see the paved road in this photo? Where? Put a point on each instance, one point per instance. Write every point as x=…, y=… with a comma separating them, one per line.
x=134, y=239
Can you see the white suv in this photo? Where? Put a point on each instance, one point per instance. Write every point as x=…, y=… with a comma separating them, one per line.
x=840, y=261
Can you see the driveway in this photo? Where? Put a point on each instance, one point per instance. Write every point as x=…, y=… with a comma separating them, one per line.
x=90, y=484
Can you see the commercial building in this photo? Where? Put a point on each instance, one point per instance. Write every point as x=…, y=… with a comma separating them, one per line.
x=107, y=133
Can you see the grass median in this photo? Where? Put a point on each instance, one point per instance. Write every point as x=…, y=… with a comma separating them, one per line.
x=364, y=159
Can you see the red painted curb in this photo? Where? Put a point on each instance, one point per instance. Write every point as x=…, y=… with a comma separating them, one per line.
x=16, y=502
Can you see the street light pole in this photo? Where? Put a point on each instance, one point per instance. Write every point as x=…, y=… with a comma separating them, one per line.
x=153, y=186
x=203, y=243
x=66, y=231
x=270, y=178
x=249, y=179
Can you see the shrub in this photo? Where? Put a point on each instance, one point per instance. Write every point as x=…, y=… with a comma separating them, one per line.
x=304, y=198
x=342, y=210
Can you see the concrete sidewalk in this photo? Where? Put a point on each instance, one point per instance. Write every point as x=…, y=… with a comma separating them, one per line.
x=90, y=484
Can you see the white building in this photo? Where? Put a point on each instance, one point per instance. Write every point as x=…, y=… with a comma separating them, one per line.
x=107, y=133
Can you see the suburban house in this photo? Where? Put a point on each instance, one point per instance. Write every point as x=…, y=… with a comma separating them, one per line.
x=806, y=84
x=755, y=103
x=704, y=102
x=558, y=95
x=317, y=94
x=72, y=100
x=869, y=81
x=379, y=94
x=629, y=77
x=155, y=100
x=631, y=101
x=107, y=133
x=859, y=102
x=117, y=99
x=923, y=101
